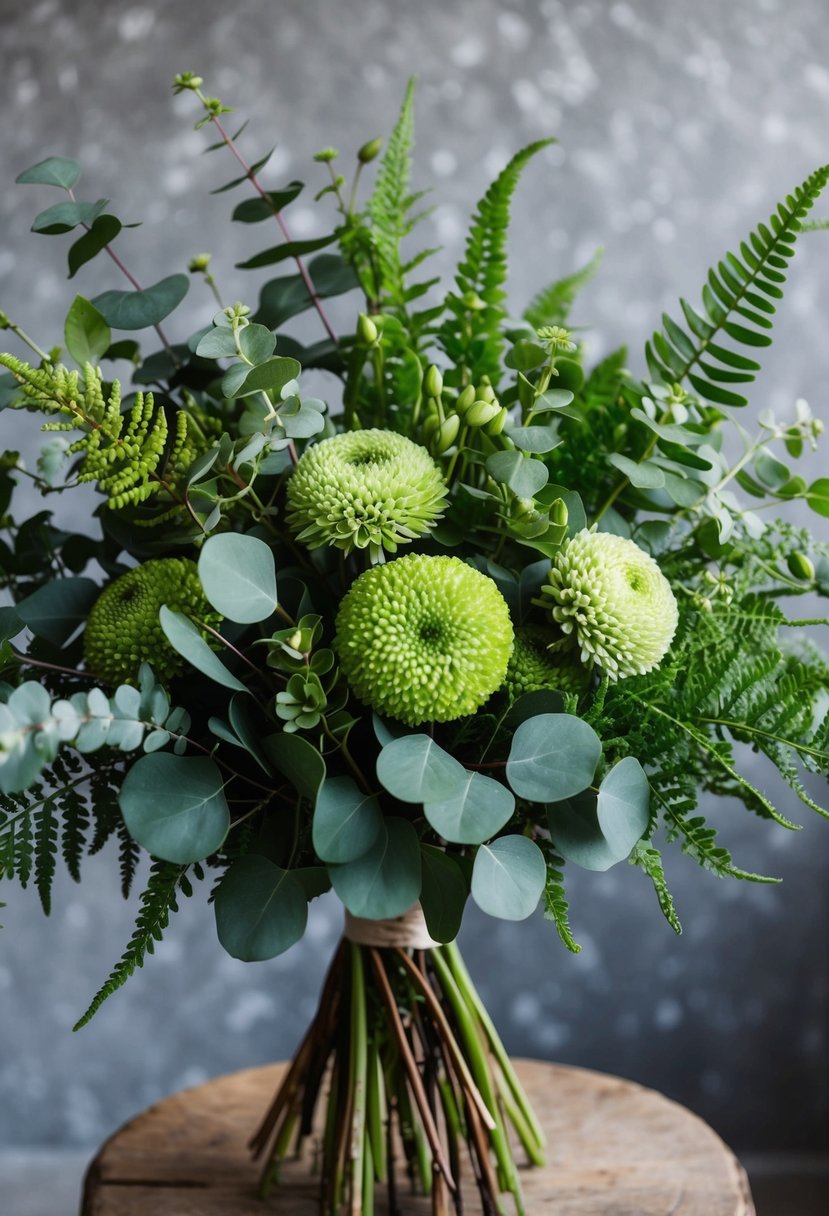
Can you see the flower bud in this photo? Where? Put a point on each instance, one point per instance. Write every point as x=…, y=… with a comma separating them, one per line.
x=481, y=412
x=801, y=566
x=558, y=513
x=497, y=424
x=325, y=155
x=465, y=399
x=485, y=391
x=199, y=263
x=447, y=434
x=366, y=329
x=430, y=426
x=433, y=383
x=369, y=150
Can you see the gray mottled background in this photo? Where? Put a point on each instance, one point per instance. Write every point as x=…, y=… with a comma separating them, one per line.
x=680, y=125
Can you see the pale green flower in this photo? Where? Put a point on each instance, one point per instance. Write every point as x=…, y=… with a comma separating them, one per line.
x=123, y=630
x=424, y=639
x=369, y=489
x=615, y=600
x=534, y=667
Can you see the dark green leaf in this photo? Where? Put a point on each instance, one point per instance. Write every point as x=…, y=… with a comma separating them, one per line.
x=104, y=230
x=347, y=821
x=261, y=910
x=297, y=760
x=385, y=881
x=63, y=217
x=85, y=332
x=290, y=249
x=139, y=309
x=443, y=893
x=58, y=608
x=253, y=210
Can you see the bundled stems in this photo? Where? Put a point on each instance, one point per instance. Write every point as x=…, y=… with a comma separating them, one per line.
x=402, y=1064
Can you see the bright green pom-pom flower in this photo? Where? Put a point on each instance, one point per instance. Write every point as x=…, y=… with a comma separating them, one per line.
x=369, y=489
x=424, y=639
x=534, y=667
x=123, y=630
x=614, y=598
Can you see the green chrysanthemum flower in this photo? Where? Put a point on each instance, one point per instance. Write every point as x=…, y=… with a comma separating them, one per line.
x=615, y=599
x=123, y=630
x=424, y=639
x=369, y=489
x=534, y=667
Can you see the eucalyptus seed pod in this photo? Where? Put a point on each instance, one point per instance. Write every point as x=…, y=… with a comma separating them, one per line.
x=366, y=329
x=433, y=382
x=801, y=566
x=481, y=413
x=370, y=150
x=465, y=399
x=498, y=423
x=446, y=435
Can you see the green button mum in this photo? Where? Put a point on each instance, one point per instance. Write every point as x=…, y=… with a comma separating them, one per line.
x=533, y=667
x=615, y=600
x=424, y=639
x=123, y=630
x=368, y=489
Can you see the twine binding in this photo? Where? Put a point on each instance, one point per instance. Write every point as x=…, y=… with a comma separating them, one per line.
x=407, y=932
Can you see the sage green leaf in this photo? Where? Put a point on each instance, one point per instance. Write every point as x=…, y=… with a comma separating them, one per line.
x=187, y=641
x=297, y=760
x=386, y=880
x=645, y=476
x=57, y=609
x=247, y=721
x=508, y=877
x=538, y=439
x=54, y=171
x=524, y=476
x=289, y=249
x=85, y=332
x=238, y=575
x=346, y=821
x=524, y=356
x=257, y=343
x=475, y=813
x=443, y=893
x=63, y=217
x=175, y=806
x=104, y=230
x=270, y=376
x=254, y=210
x=817, y=496
x=576, y=834
x=623, y=807
x=217, y=343
x=140, y=309
x=261, y=910
x=552, y=756
x=415, y=769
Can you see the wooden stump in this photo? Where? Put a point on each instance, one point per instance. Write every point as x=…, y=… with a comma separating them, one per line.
x=614, y=1149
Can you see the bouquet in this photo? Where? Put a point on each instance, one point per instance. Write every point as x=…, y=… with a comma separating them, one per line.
x=486, y=612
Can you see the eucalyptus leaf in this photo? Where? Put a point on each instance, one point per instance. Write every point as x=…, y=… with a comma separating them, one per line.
x=537, y=439
x=347, y=821
x=261, y=910
x=477, y=812
x=85, y=332
x=187, y=641
x=104, y=230
x=508, y=877
x=254, y=210
x=623, y=806
x=257, y=343
x=218, y=343
x=524, y=476
x=644, y=475
x=63, y=217
x=576, y=834
x=175, y=806
x=416, y=769
x=386, y=880
x=53, y=171
x=57, y=609
x=443, y=893
x=297, y=760
x=271, y=376
x=140, y=309
x=289, y=249
x=238, y=575
x=552, y=756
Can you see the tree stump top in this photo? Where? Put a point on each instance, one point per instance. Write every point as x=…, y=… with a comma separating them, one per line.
x=613, y=1149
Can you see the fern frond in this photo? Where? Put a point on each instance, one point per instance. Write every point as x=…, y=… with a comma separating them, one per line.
x=552, y=305
x=158, y=901
x=738, y=304
x=556, y=907
x=648, y=858
x=123, y=453
x=472, y=337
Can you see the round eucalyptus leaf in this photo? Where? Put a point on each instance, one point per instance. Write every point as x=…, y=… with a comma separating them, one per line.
x=261, y=910
x=524, y=476
x=186, y=640
x=553, y=756
x=508, y=877
x=443, y=894
x=239, y=576
x=298, y=760
x=140, y=309
x=476, y=812
x=415, y=769
x=257, y=343
x=386, y=880
x=623, y=807
x=574, y=829
x=346, y=821
x=175, y=806
x=57, y=609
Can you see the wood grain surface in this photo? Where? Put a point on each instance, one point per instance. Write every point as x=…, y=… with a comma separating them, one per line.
x=614, y=1149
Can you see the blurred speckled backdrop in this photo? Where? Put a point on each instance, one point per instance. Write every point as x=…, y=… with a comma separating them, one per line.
x=680, y=126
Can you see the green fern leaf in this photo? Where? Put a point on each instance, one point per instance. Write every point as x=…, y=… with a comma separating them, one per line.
x=552, y=305
x=738, y=304
x=556, y=907
x=649, y=859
